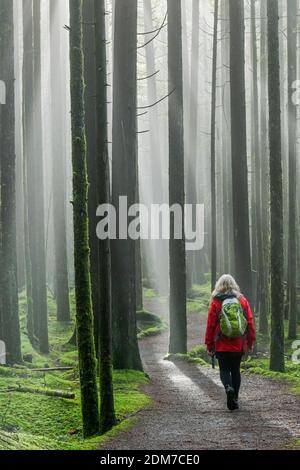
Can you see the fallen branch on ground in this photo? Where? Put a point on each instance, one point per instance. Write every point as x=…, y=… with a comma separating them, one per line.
x=41, y=391
x=52, y=369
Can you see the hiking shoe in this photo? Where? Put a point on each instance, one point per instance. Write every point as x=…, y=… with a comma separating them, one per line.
x=236, y=404
x=231, y=404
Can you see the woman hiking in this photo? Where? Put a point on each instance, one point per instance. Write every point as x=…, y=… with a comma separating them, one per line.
x=230, y=333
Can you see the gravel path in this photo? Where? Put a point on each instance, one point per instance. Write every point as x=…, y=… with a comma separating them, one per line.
x=190, y=410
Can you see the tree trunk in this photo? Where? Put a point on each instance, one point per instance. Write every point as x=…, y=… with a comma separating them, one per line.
x=27, y=151
x=178, y=327
x=9, y=280
x=156, y=152
x=254, y=156
x=89, y=50
x=38, y=255
x=107, y=411
x=84, y=314
x=158, y=247
x=58, y=171
x=124, y=160
x=226, y=132
x=260, y=304
x=239, y=149
x=191, y=145
x=292, y=10
x=265, y=174
x=19, y=150
x=138, y=258
x=277, y=325
x=213, y=153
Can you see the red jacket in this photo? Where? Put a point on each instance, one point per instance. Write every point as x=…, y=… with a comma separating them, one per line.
x=219, y=343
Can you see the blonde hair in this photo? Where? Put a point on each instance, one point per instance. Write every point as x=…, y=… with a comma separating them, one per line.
x=226, y=284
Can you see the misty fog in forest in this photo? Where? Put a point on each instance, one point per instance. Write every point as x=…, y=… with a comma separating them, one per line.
x=192, y=103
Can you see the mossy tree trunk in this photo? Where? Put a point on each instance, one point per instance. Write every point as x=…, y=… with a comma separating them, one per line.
x=178, y=324
x=89, y=51
x=277, y=291
x=107, y=410
x=8, y=282
x=124, y=160
x=84, y=314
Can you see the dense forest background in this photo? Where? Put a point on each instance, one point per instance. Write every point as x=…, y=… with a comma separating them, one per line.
x=163, y=102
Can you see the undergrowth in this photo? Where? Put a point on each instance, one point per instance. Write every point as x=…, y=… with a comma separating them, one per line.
x=33, y=421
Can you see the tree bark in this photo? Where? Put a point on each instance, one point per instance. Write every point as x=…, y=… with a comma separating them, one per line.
x=89, y=51
x=292, y=9
x=37, y=216
x=192, y=132
x=178, y=326
x=239, y=149
x=9, y=309
x=124, y=160
x=226, y=132
x=259, y=301
x=84, y=314
x=27, y=151
x=107, y=410
x=213, y=152
x=58, y=171
x=277, y=293
x=159, y=253
x=265, y=172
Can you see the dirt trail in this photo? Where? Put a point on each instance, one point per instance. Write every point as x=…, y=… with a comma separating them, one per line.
x=190, y=410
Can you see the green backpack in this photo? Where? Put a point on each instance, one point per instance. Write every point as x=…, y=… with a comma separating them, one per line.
x=233, y=323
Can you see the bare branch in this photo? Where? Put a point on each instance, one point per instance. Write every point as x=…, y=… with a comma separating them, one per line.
x=157, y=102
x=149, y=76
x=158, y=31
x=154, y=31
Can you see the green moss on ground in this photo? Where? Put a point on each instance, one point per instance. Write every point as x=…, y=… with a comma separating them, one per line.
x=199, y=298
x=185, y=358
x=201, y=353
x=31, y=421
x=149, y=293
x=149, y=324
x=259, y=362
x=295, y=445
x=197, y=355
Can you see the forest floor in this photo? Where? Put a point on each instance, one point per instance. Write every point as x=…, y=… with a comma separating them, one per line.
x=30, y=421
x=179, y=408
x=189, y=410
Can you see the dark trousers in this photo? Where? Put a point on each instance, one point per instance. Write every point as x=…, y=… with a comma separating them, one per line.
x=230, y=363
